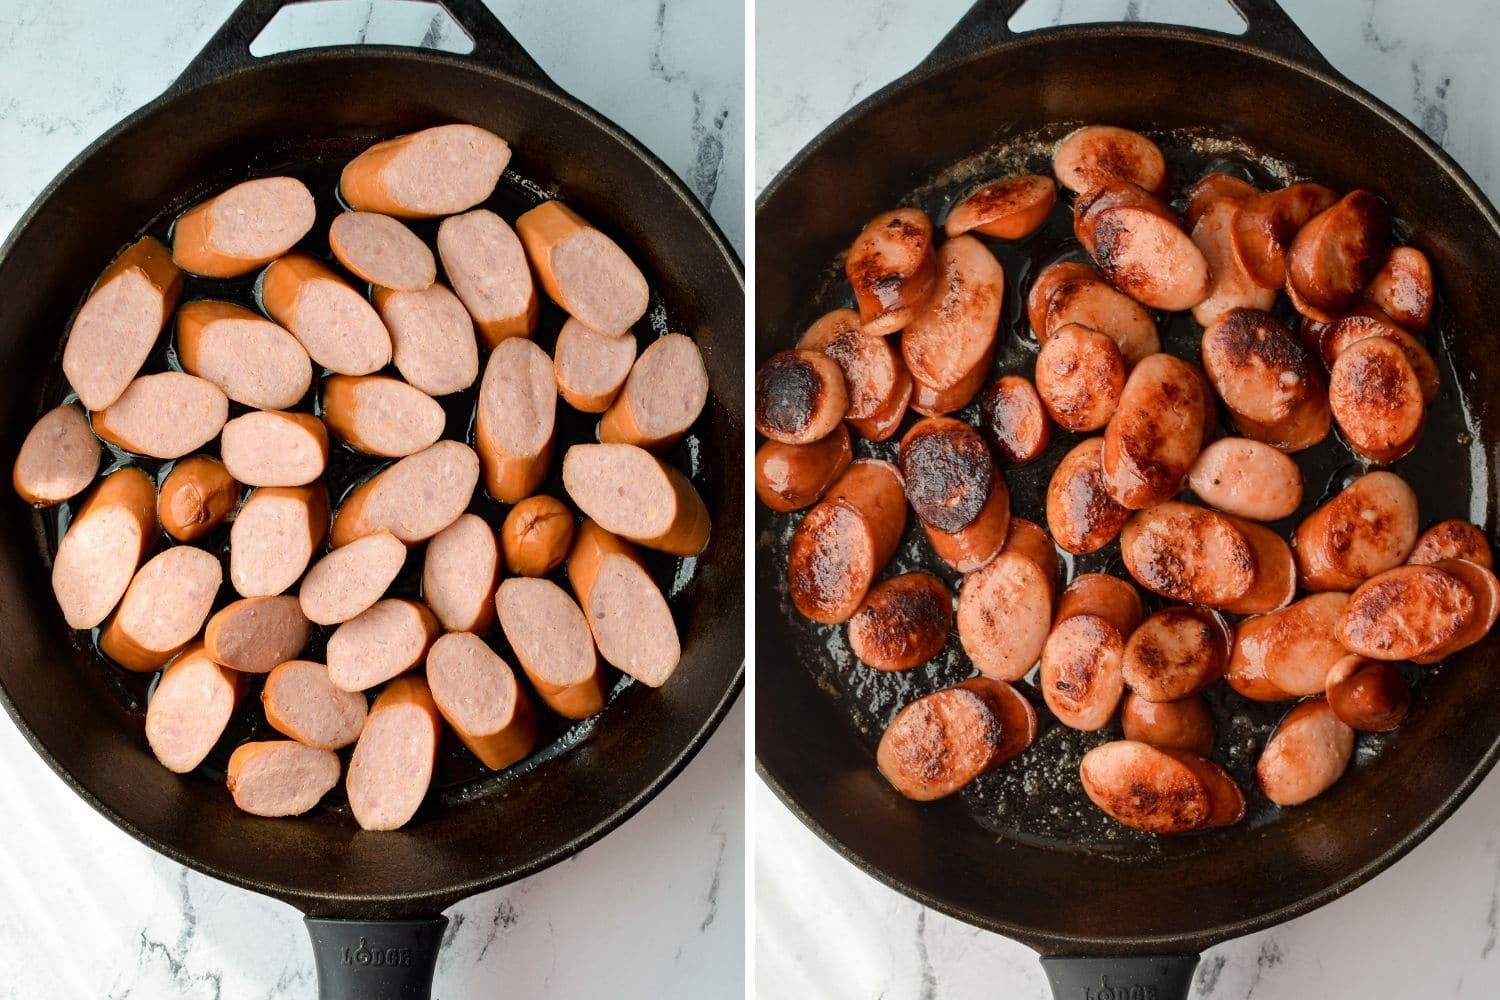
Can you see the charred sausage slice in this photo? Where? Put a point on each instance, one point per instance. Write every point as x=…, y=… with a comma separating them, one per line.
x=845, y=540
x=800, y=397
x=1098, y=154
x=948, y=472
x=976, y=543
x=1176, y=653
x=893, y=269
x=903, y=622
x=1262, y=373
x=1081, y=514
x=875, y=378
x=1145, y=788
x=1406, y=613
x=1014, y=420
x=1156, y=432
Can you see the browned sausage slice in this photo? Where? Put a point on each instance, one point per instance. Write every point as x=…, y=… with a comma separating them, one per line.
x=536, y=535
x=1336, y=337
x=1369, y=696
x=252, y=359
x=1176, y=653
x=1369, y=527
x=189, y=709
x=255, y=634
x=110, y=533
x=1230, y=285
x=1337, y=253
x=516, y=419
x=1226, y=801
x=1377, y=400
x=1029, y=539
x=1080, y=376
x=903, y=623
x=1075, y=293
x=163, y=608
x=1452, y=540
x=552, y=642
x=1406, y=613
x=1150, y=257
x=1018, y=720
x=1012, y=416
x=800, y=397
x=1080, y=677
x=663, y=395
x=385, y=641
x=1052, y=278
x=275, y=448
x=1004, y=611
x=413, y=499
x=1171, y=725
x=1081, y=514
x=939, y=743
x=1307, y=753
x=1189, y=554
x=380, y=415
x=1403, y=288
x=1211, y=189
x=1010, y=209
x=632, y=625
x=422, y=175
x=301, y=702
x=893, y=269
x=583, y=270
x=59, y=458
x=976, y=543
x=348, y=580
x=1267, y=224
x=1486, y=590
x=845, y=540
x=793, y=476
x=875, y=378
x=378, y=249
x=1145, y=788
x=119, y=322
x=477, y=694
x=1098, y=154
x=951, y=340
x=240, y=229
x=280, y=777
x=1275, y=572
x=337, y=327
x=948, y=472
x=591, y=367
x=432, y=338
x=165, y=415
x=632, y=493
x=486, y=265
x=459, y=575
x=1248, y=479
x=393, y=761
x=1294, y=648
x=1262, y=373
x=1155, y=434
x=1107, y=597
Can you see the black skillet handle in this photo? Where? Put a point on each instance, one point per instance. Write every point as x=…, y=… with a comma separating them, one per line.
x=1133, y=977
x=229, y=49
x=987, y=24
x=375, y=959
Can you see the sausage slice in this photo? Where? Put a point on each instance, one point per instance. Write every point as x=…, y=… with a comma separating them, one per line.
x=477, y=694
x=1018, y=720
x=280, y=777
x=939, y=743
x=422, y=175
x=1081, y=513
x=903, y=623
x=591, y=367
x=166, y=415
x=893, y=269
x=1080, y=677
x=252, y=359
x=948, y=472
x=1369, y=696
x=378, y=249
x=275, y=448
x=1339, y=335
x=189, y=708
x=1268, y=223
x=516, y=420
x=1080, y=376
x=337, y=327
x=979, y=541
x=583, y=270
x=1307, y=753
x=632, y=625
x=459, y=574
x=950, y=342
x=1148, y=256
x=1230, y=285
x=59, y=458
x=348, y=580
x=663, y=395
x=1170, y=725
x=380, y=415
x=1337, y=253
x=486, y=265
x=1369, y=527
x=1027, y=538
x=1145, y=788
x=536, y=535
x=1211, y=189
x=800, y=397
x=1176, y=653
x=119, y=322
x=1377, y=400
x=1403, y=288
x=432, y=338
x=632, y=493
x=1226, y=801
x=163, y=608
x=1486, y=590
x=1004, y=610
x=1294, y=648
x=1012, y=416
x=790, y=477
x=388, y=639
x=393, y=761
x=1406, y=613
x=111, y=532
x=413, y=499
x=1009, y=209
x=1075, y=293
x=243, y=228
x=1248, y=479
x=301, y=702
x=1156, y=433
x=1267, y=379
x=875, y=377
x=1099, y=154
x=1452, y=540
x=1189, y=554
x=550, y=637
x=845, y=540
x=255, y=634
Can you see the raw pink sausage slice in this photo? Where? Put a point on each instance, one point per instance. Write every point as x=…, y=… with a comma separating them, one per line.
x=388, y=639
x=632, y=493
x=432, y=338
x=380, y=250
x=237, y=231
x=189, y=709
x=591, y=367
x=252, y=359
x=166, y=415
x=275, y=448
x=255, y=634
x=275, y=536
x=486, y=266
x=348, y=580
x=422, y=175
x=59, y=458
x=105, y=542
x=663, y=395
x=280, y=777
x=477, y=693
x=380, y=415
x=514, y=427
x=301, y=702
x=392, y=765
x=459, y=574
x=413, y=499
x=550, y=637
x=337, y=327
x=632, y=625
x=583, y=270
x=163, y=608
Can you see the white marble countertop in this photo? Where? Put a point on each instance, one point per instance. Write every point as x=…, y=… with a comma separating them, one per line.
x=655, y=910
x=1428, y=926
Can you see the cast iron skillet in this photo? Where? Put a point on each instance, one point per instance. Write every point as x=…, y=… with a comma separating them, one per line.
x=1126, y=922
x=373, y=900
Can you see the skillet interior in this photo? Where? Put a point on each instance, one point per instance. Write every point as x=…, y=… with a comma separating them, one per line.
x=1068, y=892
x=291, y=108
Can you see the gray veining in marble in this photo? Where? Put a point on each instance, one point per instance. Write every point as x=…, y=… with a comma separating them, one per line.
x=653, y=911
x=1428, y=927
